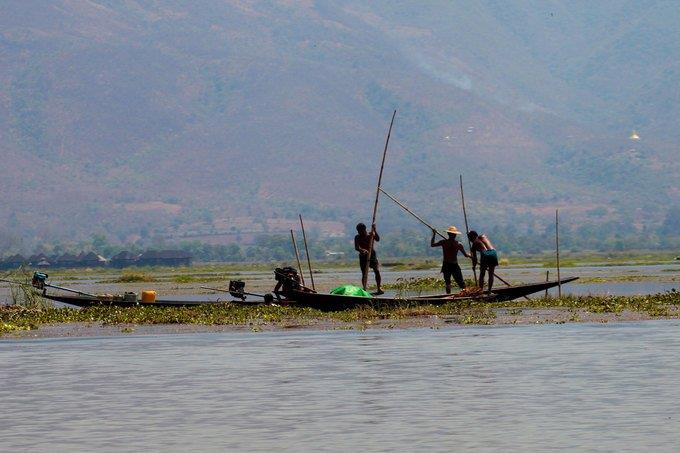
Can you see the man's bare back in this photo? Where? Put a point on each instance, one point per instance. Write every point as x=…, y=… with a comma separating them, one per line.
x=488, y=256
x=482, y=243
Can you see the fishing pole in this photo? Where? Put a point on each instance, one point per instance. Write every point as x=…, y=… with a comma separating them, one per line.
x=364, y=279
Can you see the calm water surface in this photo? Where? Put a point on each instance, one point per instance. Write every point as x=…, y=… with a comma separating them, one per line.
x=594, y=387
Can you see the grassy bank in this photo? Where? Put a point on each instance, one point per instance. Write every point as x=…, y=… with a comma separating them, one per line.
x=17, y=318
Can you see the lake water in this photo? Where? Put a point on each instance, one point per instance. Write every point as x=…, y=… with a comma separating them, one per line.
x=575, y=386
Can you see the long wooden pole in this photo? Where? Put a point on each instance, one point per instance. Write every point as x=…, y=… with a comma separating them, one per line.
x=430, y=226
x=309, y=262
x=297, y=257
x=557, y=250
x=405, y=208
x=467, y=228
x=364, y=279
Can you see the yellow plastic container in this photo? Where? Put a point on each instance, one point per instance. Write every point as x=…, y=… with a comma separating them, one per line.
x=148, y=297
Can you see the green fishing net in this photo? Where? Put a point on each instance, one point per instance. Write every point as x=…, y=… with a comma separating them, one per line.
x=351, y=290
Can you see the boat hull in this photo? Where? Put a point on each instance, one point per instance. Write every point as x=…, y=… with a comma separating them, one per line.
x=333, y=302
x=325, y=302
x=84, y=301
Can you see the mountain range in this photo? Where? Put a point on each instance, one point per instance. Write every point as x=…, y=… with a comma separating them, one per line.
x=140, y=118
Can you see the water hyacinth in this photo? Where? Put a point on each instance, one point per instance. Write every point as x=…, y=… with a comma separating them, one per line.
x=31, y=316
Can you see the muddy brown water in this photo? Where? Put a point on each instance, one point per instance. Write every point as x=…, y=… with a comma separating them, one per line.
x=530, y=388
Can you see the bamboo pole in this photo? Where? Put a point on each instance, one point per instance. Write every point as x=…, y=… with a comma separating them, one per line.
x=297, y=257
x=405, y=208
x=309, y=262
x=364, y=279
x=557, y=250
x=467, y=228
x=222, y=290
x=431, y=227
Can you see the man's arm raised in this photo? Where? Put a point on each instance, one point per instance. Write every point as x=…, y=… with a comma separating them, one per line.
x=435, y=244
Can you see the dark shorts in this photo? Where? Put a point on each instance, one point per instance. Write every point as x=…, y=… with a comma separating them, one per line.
x=453, y=269
x=374, y=261
x=489, y=259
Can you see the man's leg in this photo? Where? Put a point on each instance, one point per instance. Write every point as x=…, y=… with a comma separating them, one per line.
x=482, y=271
x=378, y=279
x=458, y=276
x=447, y=281
x=364, y=273
x=492, y=269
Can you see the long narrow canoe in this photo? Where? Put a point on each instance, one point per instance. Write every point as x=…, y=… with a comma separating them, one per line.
x=327, y=302
x=511, y=292
x=333, y=302
x=87, y=301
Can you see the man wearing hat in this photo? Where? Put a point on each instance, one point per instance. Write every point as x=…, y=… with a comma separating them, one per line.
x=450, y=248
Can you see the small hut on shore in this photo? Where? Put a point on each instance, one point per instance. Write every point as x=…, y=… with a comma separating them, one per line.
x=39, y=259
x=91, y=259
x=124, y=259
x=165, y=258
x=67, y=260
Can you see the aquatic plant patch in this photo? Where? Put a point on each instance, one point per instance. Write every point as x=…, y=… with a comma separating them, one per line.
x=133, y=277
x=22, y=317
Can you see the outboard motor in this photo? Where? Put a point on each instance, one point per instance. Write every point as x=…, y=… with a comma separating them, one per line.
x=237, y=288
x=38, y=280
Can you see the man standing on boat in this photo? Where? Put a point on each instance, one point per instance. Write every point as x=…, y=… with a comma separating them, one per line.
x=362, y=242
x=450, y=248
x=488, y=256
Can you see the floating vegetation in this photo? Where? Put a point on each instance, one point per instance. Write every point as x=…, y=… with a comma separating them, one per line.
x=653, y=304
x=133, y=277
x=415, y=284
x=193, y=278
x=22, y=317
x=411, y=265
x=407, y=286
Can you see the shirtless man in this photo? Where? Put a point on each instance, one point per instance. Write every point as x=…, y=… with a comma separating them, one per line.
x=362, y=242
x=450, y=248
x=488, y=256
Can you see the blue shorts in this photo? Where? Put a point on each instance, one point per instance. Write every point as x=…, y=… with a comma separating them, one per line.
x=489, y=259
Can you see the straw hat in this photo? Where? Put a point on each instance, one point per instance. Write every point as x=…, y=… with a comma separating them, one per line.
x=453, y=230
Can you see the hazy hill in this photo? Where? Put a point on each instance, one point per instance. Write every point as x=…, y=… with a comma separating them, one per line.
x=137, y=117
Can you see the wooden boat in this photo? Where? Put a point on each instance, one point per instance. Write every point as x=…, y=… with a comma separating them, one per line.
x=128, y=299
x=333, y=302
x=304, y=298
x=121, y=301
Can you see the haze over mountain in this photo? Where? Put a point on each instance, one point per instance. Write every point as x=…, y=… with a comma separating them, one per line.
x=146, y=117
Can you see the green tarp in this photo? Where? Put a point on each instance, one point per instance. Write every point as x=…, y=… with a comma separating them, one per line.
x=351, y=290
